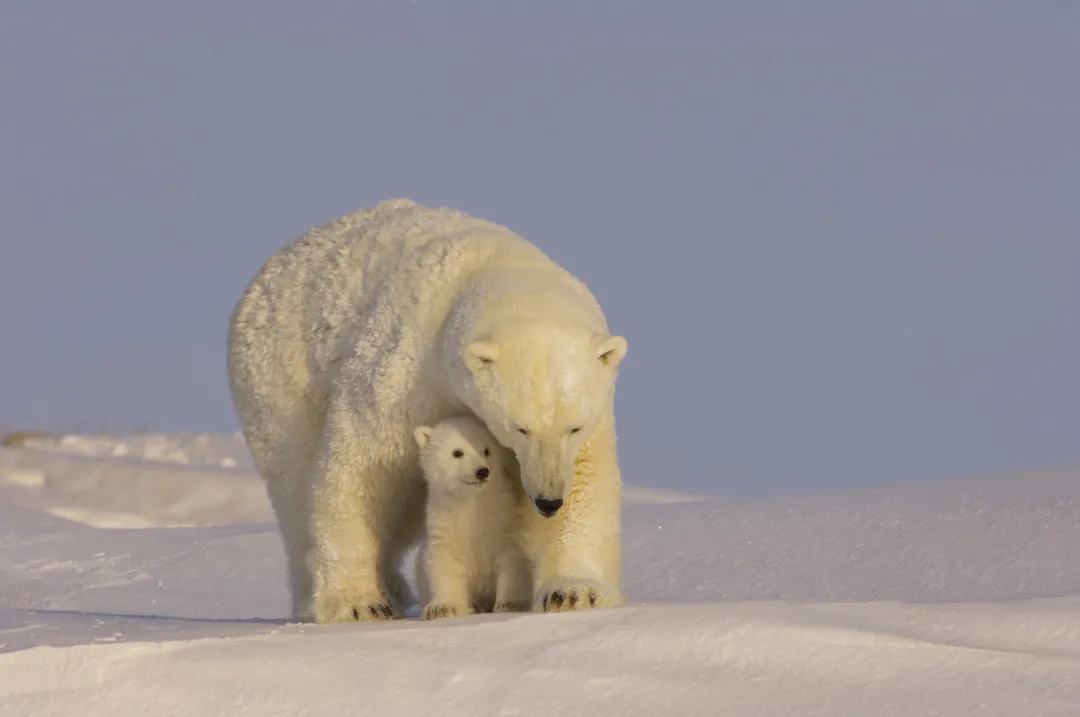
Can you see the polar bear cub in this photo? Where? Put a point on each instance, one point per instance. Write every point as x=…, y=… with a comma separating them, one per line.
x=472, y=559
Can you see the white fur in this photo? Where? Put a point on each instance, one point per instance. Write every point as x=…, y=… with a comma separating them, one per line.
x=473, y=559
x=399, y=316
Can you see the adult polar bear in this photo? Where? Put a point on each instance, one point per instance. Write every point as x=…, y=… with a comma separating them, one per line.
x=399, y=316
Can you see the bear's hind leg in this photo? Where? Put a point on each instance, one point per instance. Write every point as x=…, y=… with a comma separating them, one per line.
x=513, y=579
x=357, y=495
x=282, y=444
x=408, y=530
x=290, y=508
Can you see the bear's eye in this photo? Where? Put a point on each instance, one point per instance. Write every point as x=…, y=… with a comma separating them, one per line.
x=487, y=452
x=575, y=430
x=522, y=431
x=458, y=453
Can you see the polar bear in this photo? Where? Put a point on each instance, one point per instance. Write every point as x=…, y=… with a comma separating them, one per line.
x=473, y=558
x=402, y=315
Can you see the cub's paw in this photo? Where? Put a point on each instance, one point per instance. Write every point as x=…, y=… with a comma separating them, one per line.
x=573, y=595
x=438, y=610
x=338, y=607
x=513, y=606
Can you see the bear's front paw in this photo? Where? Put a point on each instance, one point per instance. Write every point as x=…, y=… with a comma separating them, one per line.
x=333, y=608
x=571, y=595
x=437, y=610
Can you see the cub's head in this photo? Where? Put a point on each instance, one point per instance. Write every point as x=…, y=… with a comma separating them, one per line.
x=542, y=390
x=458, y=452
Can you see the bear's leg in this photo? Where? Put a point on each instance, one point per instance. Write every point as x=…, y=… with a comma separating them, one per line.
x=407, y=531
x=357, y=495
x=448, y=576
x=283, y=436
x=578, y=560
x=401, y=595
x=423, y=587
x=513, y=579
x=290, y=508
x=482, y=603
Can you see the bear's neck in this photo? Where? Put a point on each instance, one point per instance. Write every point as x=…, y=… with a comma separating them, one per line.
x=510, y=295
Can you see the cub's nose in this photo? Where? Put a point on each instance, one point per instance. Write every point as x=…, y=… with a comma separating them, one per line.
x=548, y=506
x=482, y=474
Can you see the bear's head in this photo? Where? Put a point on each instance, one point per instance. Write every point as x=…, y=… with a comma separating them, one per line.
x=458, y=452
x=542, y=390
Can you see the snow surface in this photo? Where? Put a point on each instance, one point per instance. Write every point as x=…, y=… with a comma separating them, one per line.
x=144, y=575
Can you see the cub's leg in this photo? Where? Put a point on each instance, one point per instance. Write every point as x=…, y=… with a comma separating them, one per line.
x=448, y=577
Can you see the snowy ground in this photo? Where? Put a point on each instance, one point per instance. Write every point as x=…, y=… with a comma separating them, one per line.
x=145, y=576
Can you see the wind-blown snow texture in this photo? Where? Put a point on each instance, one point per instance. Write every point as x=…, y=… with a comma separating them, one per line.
x=145, y=576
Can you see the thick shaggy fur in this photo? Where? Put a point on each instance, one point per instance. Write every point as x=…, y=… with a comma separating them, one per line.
x=473, y=559
x=400, y=316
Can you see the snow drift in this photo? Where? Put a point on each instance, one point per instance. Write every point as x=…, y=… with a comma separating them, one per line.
x=145, y=575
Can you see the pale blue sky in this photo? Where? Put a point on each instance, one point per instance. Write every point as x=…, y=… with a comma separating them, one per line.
x=842, y=238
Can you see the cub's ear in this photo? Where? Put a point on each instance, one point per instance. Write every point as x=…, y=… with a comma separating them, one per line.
x=611, y=351
x=422, y=434
x=481, y=354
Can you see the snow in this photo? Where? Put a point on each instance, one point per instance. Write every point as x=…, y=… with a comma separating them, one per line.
x=144, y=575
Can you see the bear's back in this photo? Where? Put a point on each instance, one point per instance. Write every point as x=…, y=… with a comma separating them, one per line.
x=346, y=264
x=321, y=290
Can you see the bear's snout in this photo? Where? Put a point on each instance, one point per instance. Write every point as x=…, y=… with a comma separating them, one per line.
x=548, y=506
x=482, y=474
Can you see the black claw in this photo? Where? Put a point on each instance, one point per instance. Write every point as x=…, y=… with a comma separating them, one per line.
x=545, y=602
x=557, y=598
x=573, y=598
x=355, y=614
x=592, y=597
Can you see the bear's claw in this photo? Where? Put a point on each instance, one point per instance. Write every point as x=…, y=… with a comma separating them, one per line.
x=581, y=596
x=343, y=609
x=435, y=611
x=556, y=598
x=511, y=606
x=378, y=612
x=366, y=612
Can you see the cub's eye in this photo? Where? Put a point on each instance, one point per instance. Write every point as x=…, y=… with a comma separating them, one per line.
x=523, y=431
x=458, y=453
x=575, y=430
x=487, y=452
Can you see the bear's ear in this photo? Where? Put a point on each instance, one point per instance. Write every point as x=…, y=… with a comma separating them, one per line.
x=481, y=354
x=611, y=351
x=422, y=434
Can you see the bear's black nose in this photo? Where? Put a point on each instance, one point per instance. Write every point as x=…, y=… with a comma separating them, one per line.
x=482, y=474
x=548, y=506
